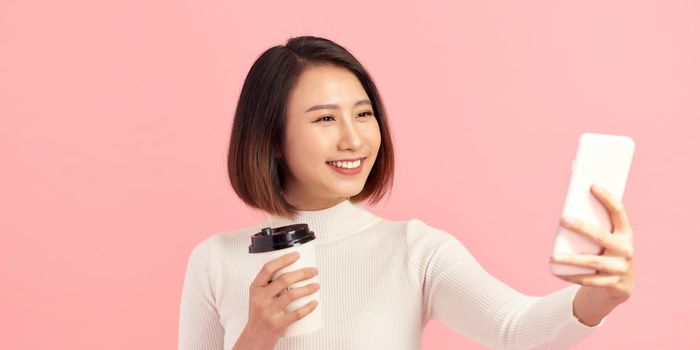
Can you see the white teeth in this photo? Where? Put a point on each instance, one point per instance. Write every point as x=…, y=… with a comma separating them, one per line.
x=346, y=165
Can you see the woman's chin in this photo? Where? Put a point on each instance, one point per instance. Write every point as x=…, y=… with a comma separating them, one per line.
x=348, y=193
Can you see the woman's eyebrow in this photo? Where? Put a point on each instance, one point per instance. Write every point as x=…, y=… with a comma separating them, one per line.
x=333, y=106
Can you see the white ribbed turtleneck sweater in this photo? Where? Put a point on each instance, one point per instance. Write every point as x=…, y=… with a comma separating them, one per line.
x=381, y=281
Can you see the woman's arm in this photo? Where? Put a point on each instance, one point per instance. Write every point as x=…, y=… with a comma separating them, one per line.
x=199, y=326
x=468, y=299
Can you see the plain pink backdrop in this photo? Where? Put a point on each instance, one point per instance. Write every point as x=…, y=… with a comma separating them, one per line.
x=116, y=118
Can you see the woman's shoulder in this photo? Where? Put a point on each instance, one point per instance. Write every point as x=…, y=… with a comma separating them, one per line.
x=419, y=233
x=236, y=240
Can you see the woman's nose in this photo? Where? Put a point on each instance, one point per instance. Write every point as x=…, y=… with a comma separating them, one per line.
x=350, y=136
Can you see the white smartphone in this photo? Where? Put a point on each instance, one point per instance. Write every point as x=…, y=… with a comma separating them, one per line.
x=603, y=160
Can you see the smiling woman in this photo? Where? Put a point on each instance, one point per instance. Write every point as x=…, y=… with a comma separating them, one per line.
x=310, y=131
x=310, y=142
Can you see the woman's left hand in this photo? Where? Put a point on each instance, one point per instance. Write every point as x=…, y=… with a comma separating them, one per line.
x=615, y=267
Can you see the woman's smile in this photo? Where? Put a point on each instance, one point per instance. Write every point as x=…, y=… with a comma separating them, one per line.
x=347, y=168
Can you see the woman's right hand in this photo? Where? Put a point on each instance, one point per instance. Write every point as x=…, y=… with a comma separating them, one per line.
x=267, y=318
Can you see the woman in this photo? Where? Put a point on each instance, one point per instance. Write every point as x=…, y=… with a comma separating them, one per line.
x=310, y=141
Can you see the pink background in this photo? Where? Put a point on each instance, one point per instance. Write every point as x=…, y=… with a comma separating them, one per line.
x=116, y=117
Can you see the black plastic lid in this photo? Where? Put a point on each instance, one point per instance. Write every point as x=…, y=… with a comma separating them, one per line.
x=269, y=239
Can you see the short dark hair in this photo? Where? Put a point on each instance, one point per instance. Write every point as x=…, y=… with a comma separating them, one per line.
x=255, y=172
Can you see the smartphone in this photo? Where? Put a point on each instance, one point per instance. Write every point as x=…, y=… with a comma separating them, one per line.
x=602, y=160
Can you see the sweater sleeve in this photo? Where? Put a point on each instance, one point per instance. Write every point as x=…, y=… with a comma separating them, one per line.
x=466, y=298
x=199, y=326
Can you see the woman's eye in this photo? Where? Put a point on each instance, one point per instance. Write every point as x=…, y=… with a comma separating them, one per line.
x=325, y=117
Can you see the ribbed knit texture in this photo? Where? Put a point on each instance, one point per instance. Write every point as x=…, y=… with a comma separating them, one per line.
x=381, y=281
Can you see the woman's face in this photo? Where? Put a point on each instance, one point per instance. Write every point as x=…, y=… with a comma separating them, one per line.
x=329, y=118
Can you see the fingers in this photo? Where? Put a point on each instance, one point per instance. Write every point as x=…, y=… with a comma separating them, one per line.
x=290, y=317
x=617, y=212
x=602, y=263
x=286, y=279
x=593, y=280
x=288, y=296
x=596, y=234
x=269, y=269
x=267, y=314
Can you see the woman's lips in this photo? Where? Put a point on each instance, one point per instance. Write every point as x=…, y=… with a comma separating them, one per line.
x=346, y=171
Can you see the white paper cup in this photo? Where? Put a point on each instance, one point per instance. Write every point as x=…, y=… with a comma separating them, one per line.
x=288, y=239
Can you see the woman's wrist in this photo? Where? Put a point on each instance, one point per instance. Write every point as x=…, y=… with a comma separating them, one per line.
x=254, y=341
x=590, y=306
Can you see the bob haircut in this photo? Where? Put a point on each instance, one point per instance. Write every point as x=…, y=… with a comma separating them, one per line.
x=255, y=167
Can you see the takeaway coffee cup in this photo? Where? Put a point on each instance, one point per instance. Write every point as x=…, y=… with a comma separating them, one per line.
x=272, y=243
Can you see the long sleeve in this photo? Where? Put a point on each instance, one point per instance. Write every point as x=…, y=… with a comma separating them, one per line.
x=199, y=326
x=466, y=298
